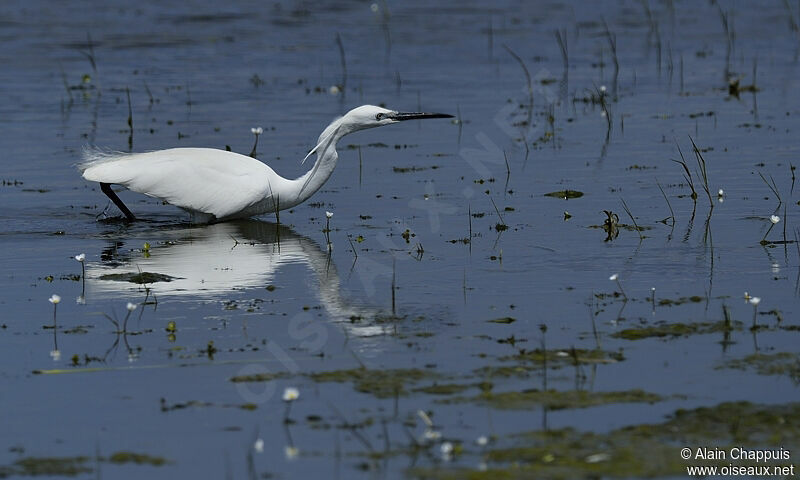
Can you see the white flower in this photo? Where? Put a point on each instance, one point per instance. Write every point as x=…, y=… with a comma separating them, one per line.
x=55, y=355
x=482, y=440
x=291, y=452
x=597, y=457
x=80, y=257
x=603, y=113
x=774, y=219
x=328, y=214
x=81, y=300
x=54, y=299
x=374, y=7
x=257, y=130
x=447, y=451
x=746, y=296
x=290, y=394
x=602, y=88
x=131, y=307
x=258, y=446
x=652, y=289
x=614, y=277
x=334, y=90
x=720, y=192
x=754, y=301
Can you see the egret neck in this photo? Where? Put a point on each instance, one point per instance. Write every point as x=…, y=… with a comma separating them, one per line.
x=327, y=156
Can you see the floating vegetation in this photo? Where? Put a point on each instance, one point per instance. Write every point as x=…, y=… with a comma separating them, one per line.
x=640, y=167
x=137, y=458
x=443, y=388
x=555, y=399
x=78, y=329
x=664, y=329
x=140, y=278
x=569, y=453
x=464, y=240
x=505, y=320
x=381, y=383
x=257, y=377
x=533, y=361
x=735, y=88
x=783, y=363
x=166, y=407
x=668, y=302
x=412, y=169
x=561, y=358
x=565, y=194
x=622, y=226
x=74, y=466
x=52, y=466
x=504, y=371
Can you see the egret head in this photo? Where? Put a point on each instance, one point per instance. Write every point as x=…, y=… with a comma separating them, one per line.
x=362, y=118
x=369, y=116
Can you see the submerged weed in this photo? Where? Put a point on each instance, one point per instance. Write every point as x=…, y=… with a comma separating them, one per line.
x=783, y=363
x=664, y=329
x=380, y=383
x=554, y=399
x=570, y=453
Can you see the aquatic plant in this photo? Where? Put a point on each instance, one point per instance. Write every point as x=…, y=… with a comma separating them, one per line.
x=754, y=301
x=290, y=394
x=773, y=219
x=327, y=229
x=615, y=278
x=55, y=300
x=130, y=307
x=255, y=131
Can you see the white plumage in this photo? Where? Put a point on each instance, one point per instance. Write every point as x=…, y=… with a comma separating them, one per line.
x=205, y=180
x=216, y=185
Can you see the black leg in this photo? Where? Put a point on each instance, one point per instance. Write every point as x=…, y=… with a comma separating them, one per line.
x=106, y=188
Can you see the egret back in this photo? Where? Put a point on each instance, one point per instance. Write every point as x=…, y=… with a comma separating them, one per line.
x=206, y=180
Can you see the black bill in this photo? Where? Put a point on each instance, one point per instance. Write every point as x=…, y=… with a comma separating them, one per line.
x=399, y=116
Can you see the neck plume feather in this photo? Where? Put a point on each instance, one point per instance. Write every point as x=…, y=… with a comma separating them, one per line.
x=327, y=156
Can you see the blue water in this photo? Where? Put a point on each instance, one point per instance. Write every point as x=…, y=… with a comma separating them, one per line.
x=214, y=71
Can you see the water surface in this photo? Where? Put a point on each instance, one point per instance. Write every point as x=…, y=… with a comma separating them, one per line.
x=417, y=265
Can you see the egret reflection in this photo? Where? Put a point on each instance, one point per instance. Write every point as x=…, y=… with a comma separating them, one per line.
x=215, y=261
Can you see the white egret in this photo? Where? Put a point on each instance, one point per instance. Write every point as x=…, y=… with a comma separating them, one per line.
x=217, y=185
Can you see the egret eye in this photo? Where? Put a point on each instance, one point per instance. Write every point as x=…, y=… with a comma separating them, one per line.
x=380, y=116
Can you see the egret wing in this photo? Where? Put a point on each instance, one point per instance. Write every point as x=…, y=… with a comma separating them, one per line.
x=199, y=179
